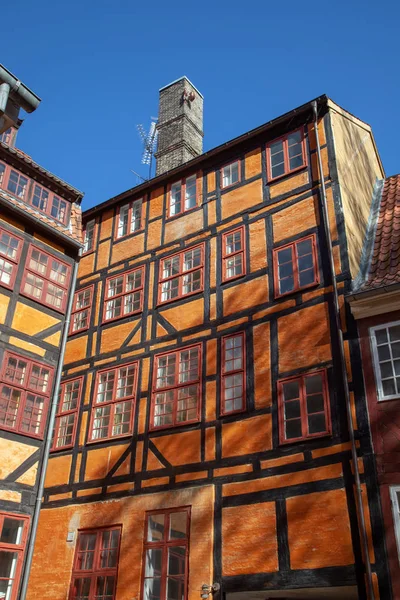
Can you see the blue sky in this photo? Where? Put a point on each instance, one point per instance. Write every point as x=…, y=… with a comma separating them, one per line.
x=98, y=65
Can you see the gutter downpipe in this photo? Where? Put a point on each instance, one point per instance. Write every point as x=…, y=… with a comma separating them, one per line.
x=364, y=537
x=45, y=459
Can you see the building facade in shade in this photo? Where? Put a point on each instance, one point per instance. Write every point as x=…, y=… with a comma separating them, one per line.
x=40, y=238
x=375, y=303
x=203, y=382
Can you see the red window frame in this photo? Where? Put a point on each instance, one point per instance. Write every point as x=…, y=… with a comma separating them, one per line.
x=90, y=553
x=13, y=262
x=170, y=392
x=238, y=161
x=284, y=140
x=113, y=402
x=78, y=312
x=46, y=278
x=129, y=223
x=293, y=246
x=165, y=547
x=124, y=294
x=183, y=196
x=94, y=236
x=305, y=414
x=16, y=548
x=226, y=257
x=66, y=417
x=234, y=371
x=21, y=383
x=180, y=275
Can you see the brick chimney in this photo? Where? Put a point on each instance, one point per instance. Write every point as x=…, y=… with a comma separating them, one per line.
x=180, y=125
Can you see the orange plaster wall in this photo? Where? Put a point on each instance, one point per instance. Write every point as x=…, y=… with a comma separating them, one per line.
x=316, y=542
x=249, y=539
x=304, y=338
x=249, y=294
x=180, y=448
x=51, y=571
x=238, y=200
x=247, y=436
x=294, y=219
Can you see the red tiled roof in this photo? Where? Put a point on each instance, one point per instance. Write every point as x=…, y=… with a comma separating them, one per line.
x=384, y=267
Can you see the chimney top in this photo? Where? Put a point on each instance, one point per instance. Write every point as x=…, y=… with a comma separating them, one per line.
x=180, y=125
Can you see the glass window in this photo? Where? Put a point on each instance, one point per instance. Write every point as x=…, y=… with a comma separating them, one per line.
x=115, y=394
x=17, y=184
x=81, y=310
x=46, y=279
x=129, y=218
x=286, y=154
x=182, y=196
x=13, y=532
x=233, y=254
x=166, y=547
x=303, y=406
x=395, y=498
x=181, y=274
x=69, y=398
x=124, y=294
x=10, y=250
x=176, y=395
x=385, y=341
x=89, y=236
x=295, y=266
x=94, y=574
x=230, y=174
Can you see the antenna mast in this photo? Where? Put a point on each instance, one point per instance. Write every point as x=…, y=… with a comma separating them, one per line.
x=149, y=143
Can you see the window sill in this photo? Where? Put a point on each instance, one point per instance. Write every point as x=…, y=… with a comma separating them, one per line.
x=305, y=439
x=182, y=214
x=300, y=289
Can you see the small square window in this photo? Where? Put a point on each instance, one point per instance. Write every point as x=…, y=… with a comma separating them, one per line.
x=46, y=279
x=303, y=407
x=129, y=218
x=124, y=295
x=286, y=154
x=295, y=266
x=181, y=274
x=385, y=342
x=17, y=184
x=182, y=196
x=230, y=174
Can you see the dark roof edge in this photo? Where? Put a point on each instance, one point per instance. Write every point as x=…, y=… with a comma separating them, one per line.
x=29, y=161
x=321, y=100
x=369, y=240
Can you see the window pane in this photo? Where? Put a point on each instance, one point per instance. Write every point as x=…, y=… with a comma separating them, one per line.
x=153, y=562
x=292, y=409
x=176, y=560
x=176, y=199
x=293, y=429
x=123, y=221
x=12, y=531
x=10, y=399
x=316, y=423
x=8, y=566
x=152, y=588
x=155, y=528
x=81, y=588
x=190, y=195
x=177, y=525
x=136, y=215
x=291, y=390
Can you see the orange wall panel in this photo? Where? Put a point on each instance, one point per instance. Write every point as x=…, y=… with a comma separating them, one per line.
x=156, y=203
x=258, y=245
x=126, y=249
x=154, y=234
x=185, y=317
x=58, y=470
x=86, y=265
x=262, y=366
x=99, y=461
x=76, y=349
x=287, y=184
x=247, y=436
x=249, y=539
x=106, y=225
x=304, y=338
x=245, y=196
x=253, y=163
x=180, y=448
x=113, y=338
x=211, y=399
x=103, y=255
x=316, y=542
x=191, y=223
x=294, y=219
x=245, y=295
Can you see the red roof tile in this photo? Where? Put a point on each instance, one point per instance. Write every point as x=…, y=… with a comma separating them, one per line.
x=384, y=267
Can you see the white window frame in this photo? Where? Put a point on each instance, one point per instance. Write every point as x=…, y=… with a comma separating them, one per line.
x=375, y=358
x=394, y=497
x=226, y=173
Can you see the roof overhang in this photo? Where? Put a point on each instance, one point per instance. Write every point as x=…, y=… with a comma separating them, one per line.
x=374, y=302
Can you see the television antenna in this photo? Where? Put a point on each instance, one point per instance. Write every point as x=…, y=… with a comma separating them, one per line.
x=149, y=140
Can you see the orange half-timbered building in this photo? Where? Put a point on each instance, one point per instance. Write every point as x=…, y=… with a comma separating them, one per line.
x=40, y=240
x=209, y=446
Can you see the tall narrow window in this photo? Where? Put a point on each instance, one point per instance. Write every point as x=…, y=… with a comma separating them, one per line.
x=67, y=413
x=81, y=309
x=10, y=251
x=124, y=294
x=89, y=236
x=13, y=535
x=17, y=184
x=233, y=254
x=303, y=407
x=230, y=174
x=182, y=196
x=395, y=498
x=114, y=401
x=25, y=388
x=385, y=341
x=129, y=218
x=94, y=573
x=2, y=173
x=295, y=266
x=166, y=554
x=233, y=397
x=181, y=274
x=286, y=154
x=176, y=393
x=46, y=279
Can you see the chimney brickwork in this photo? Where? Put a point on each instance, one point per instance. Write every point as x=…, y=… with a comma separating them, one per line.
x=180, y=125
